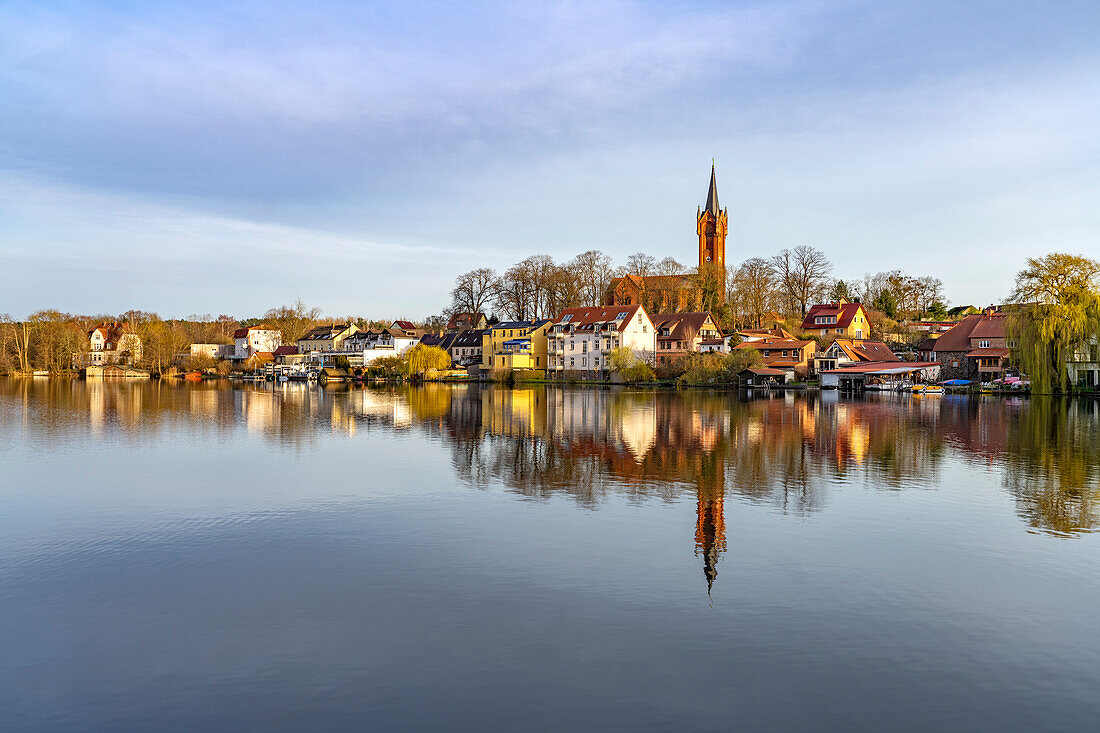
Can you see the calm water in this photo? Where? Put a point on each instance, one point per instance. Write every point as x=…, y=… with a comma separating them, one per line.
x=201, y=558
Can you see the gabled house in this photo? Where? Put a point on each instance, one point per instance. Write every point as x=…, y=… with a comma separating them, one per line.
x=977, y=348
x=846, y=352
x=407, y=326
x=256, y=339
x=111, y=343
x=515, y=345
x=466, y=347
x=466, y=321
x=326, y=338
x=841, y=319
x=678, y=334
x=581, y=339
x=794, y=357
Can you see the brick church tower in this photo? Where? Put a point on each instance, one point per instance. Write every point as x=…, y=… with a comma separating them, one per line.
x=711, y=226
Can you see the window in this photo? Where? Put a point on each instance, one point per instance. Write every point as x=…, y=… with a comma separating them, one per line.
x=622, y=315
x=584, y=347
x=983, y=344
x=566, y=318
x=571, y=361
x=584, y=361
x=644, y=329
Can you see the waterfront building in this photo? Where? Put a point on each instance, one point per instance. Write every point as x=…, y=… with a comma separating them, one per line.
x=213, y=351
x=680, y=334
x=466, y=348
x=977, y=347
x=846, y=352
x=110, y=343
x=326, y=338
x=515, y=345
x=255, y=339
x=581, y=339
x=794, y=357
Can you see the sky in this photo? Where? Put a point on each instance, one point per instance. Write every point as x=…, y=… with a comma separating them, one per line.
x=227, y=157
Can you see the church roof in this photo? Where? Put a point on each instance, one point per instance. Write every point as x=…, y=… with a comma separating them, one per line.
x=712, y=194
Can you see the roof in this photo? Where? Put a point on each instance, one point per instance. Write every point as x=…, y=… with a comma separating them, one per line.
x=443, y=341
x=765, y=372
x=242, y=333
x=321, y=333
x=865, y=350
x=656, y=282
x=404, y=325
x=681, y=326
x=928, y=344
x=458, y=320
x=586, y=317
x=469, y=338
x=286, y=350
x=756, y=333
x=976, y=325
x=404, y=333
x=895, y=367
x=712, y=342
x=988, y=352
x=844, y=313
x=712, y=194
x=773, y=345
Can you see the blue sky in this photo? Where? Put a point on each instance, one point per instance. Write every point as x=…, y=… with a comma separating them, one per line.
x=228, y=157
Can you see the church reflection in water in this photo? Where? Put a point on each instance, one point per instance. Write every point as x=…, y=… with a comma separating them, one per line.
x=586, y=443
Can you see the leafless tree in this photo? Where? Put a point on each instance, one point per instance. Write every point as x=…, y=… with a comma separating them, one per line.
x=474, y=291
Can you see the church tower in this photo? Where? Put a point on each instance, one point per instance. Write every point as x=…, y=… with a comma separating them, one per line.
x=711, y=227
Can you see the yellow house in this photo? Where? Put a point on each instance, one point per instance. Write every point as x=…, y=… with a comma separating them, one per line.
x=838, y=320
x=515, y=345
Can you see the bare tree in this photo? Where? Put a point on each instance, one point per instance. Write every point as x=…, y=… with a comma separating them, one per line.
x=803, y=274
x=293, y=320
x=592, y=272
x=752, y=290
x=474, y=291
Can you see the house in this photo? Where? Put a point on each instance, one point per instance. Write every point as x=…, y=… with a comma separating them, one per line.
x=1083, y=366
x=761, y=377
x=406, y=326
x=762, y=334
x=326, y=338
x=794, y=357
x=844, y=352
x=254, y=339
x=439, y=340
x=111, y=343
x=466, y=347
x=515, y=345
x=213, y=351
x=288, y=354
x=975, y=348
x=840, y=319
x=680, y=334
x=466, y=321
x=581, y=339
x=858, y=376
x=363, y=347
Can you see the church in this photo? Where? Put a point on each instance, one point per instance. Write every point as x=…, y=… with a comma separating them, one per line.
x=688, y=292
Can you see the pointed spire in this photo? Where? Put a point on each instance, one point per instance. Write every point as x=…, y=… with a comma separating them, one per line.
x=712, y=194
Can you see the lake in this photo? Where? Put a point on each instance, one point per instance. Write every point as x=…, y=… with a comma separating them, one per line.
x=464, y=557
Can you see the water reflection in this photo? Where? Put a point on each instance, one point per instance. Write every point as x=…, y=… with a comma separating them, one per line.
x=785, y=451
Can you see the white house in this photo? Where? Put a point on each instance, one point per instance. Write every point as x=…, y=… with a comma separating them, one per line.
x=581, y=339
x=254, y=339
x=108, y=343
x=213, y=351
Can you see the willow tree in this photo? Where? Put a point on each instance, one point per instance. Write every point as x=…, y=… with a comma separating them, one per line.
x=422, y=359
x=1058, y=313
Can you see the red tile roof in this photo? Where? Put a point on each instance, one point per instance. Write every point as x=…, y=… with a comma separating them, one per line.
x=585, y=318
x=977, y=325
x=844, y=313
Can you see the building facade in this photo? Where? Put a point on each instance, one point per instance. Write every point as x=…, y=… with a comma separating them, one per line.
x=581, y=339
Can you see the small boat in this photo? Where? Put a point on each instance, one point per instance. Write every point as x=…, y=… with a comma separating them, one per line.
x=40, y=373
x=193, y=376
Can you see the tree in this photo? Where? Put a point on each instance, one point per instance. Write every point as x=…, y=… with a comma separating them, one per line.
x=592, y=271
x=474, y=291
x=752, y=290
x=885, y=302
x=840, y=292
x=937, y=310
x=422, y=359
x=625, y=362
x=802, y=274
x=294, y=320
x=1058, y=313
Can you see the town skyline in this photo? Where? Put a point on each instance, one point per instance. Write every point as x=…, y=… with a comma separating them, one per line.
x=361, y=158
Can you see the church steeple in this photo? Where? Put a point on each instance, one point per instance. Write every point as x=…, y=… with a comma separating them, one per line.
x=711, y=225
x=712, y=194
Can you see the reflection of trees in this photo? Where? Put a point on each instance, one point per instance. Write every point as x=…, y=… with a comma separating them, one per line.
x=1053, y=464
